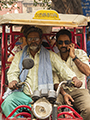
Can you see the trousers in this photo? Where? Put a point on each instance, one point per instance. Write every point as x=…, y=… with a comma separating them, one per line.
x=81, y=101
x=13, y=100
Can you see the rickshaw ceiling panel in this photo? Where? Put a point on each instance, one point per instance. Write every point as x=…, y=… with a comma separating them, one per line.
x=67, y=20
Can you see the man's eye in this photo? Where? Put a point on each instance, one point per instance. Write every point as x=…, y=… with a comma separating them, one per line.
x=60, y=42
x=67, y=42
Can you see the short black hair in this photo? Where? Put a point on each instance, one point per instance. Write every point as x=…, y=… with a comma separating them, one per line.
x=88, y=35
x=63, y=32
x=33, y=29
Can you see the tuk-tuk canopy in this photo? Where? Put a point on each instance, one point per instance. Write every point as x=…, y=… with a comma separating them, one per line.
x=44, y=18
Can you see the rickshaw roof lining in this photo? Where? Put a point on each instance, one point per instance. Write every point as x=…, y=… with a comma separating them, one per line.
x=67, y=20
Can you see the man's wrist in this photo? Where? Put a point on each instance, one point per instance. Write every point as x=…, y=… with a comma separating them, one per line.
x=75, y=58
x=75, y=77
x=62, y=91
x=65, y=94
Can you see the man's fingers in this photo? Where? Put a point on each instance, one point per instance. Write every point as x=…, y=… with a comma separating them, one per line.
x=71, y=98
x=78, y=84
x=12, y=85
x=68, y=102
x=73, y=44
x=68, y=99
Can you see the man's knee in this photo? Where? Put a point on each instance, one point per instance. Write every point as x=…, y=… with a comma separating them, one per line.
x=60, y=99
x=86, y=114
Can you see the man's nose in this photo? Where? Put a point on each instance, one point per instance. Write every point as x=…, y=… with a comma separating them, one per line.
x=63, y=43
x=33, y=40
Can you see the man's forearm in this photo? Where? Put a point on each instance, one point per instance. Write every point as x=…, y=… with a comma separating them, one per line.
x=84, y=68
x=62, y=91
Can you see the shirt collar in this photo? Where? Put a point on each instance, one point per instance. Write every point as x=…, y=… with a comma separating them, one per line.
x=61, y=58
x=36, y=53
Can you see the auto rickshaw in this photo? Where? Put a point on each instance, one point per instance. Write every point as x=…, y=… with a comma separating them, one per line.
x=42, y=18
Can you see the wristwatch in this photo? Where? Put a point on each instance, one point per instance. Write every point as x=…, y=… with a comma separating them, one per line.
x=75, y=58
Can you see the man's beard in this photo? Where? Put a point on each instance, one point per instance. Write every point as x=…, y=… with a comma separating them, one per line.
x=63, y=51
x=34, y=46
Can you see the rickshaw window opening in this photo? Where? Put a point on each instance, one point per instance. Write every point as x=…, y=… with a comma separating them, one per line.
x=10, y=52
x=15, y=40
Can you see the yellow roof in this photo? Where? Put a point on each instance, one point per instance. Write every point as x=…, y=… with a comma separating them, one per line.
x=67, y=20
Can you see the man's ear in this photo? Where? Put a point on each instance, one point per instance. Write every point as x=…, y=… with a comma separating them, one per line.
x=41, y=40
x=56, y=43
x=26, y=41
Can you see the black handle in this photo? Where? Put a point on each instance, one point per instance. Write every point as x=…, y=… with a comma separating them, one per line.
x=69, y=83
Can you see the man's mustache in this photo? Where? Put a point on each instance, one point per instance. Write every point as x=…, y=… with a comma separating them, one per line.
x=33, y=44
x=64, y=47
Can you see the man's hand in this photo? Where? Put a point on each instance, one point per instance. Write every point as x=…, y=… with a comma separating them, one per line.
x=13, y=85
x=68, y=99
x=72, y=50
x=77, y=83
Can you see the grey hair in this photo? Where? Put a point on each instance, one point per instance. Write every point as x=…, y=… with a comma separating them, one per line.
x=32, y=29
